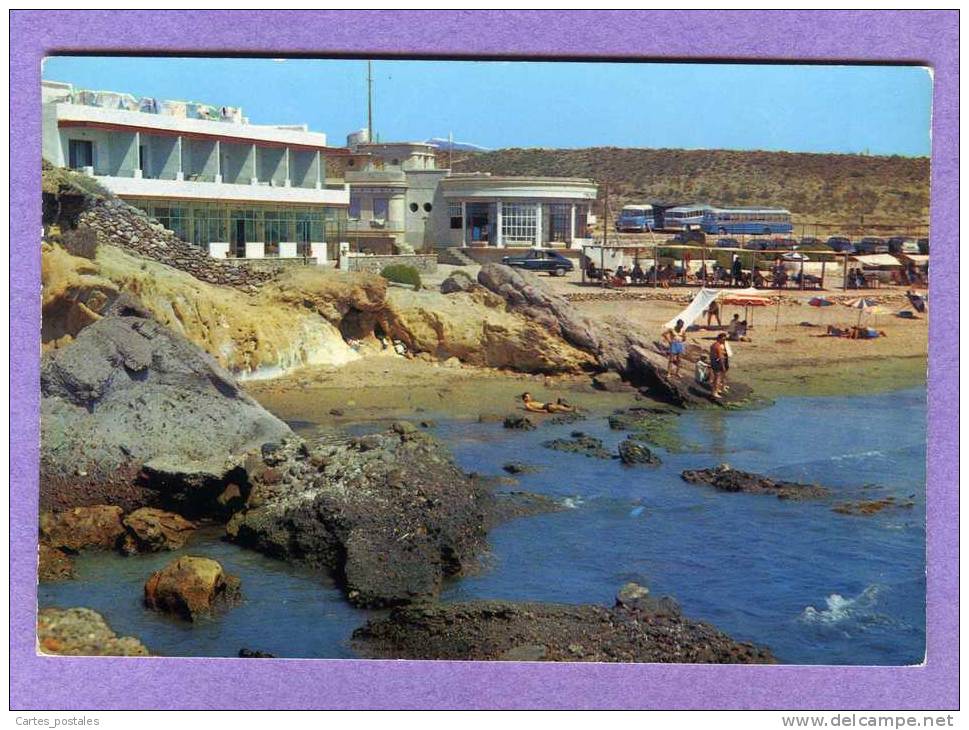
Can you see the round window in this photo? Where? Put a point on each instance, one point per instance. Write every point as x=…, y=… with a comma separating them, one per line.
x=427, y=207
x=413, y=207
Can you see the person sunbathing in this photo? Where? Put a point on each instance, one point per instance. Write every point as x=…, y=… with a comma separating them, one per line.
x=559, y=406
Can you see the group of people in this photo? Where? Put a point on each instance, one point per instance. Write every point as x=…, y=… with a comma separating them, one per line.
x=711, y=369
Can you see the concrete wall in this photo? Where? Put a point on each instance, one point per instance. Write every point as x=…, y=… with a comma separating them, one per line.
x=424, y=263
x=422, y=191
x=304, y=168
x=164, y=157
x=271, y=165
x=201, y=159
x=238, y=163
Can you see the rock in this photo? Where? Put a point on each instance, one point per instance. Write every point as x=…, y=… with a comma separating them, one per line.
x=611, y=382
x=868, y=507
x=512, y=505
x=53, y=564
x=81, y=528
x=579, y=443
x=459, y=281
x=253, y=654
x=727, y=479
x=191, y=587
x=632, y=451
x=82, y=632
x=390, y=515
x=516, y=467
x=504, y=630
x=152, y=530
x=128, y=394
x=637, y=598
x=521, y=423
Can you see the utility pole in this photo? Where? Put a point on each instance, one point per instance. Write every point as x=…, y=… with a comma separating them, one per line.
x=450, y=148
x=370, y=101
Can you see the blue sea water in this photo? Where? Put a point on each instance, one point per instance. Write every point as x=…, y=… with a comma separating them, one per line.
x=815, y=586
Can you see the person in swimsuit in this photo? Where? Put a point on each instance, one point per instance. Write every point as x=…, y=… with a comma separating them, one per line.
x=676, y=338
x=560, y=406
x=713, y=312
x=718, y=364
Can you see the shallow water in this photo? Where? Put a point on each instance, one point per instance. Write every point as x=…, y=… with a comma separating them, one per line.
x=813, y=585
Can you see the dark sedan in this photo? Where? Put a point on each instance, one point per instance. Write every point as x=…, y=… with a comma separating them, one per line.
x=541, y=259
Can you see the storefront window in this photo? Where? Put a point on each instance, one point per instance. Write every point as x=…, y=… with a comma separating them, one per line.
x=518, y=223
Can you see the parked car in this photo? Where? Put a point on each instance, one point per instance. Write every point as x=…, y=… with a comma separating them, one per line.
x=686, y=237
x=781, y=243
x=841, y=244
x=809, y=242
x=541, y=259
x=728, y=243
x=871, y=244
x=902, y=244
x=759, y=244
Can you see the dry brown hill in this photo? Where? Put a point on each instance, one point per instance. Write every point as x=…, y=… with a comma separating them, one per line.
x=827, y=188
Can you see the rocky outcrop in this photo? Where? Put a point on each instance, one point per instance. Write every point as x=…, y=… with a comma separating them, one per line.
x=727, y=479
x=53, y=564
x=868, y=507
x=82, y=632
x=635, y=358
x=150, y=530
x=191, y=587
x=476, y=327
x=637, y=629
x=389, y=515
x=457, y=281
x=518, y=423
x=96, y=527
x=579, y=443
x=632, y=451
x=129, y=393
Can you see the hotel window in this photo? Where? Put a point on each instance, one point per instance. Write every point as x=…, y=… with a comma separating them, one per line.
x=354, y=211
x=454, y=213
x=560, y=222
x=380, y=208
x=518, y=223
x=80, y=153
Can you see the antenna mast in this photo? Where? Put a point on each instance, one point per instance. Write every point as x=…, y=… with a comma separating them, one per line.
x=370, y=101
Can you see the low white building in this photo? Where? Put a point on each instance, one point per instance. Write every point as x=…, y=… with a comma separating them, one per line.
x=205, y=172
x=480, y=209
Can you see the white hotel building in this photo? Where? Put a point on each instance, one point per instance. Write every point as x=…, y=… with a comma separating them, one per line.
x=204, y=172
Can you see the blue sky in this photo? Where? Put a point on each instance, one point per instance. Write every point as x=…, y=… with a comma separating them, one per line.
x=879, y=109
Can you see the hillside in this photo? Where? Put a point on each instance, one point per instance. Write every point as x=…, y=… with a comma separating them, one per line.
x=815, y=187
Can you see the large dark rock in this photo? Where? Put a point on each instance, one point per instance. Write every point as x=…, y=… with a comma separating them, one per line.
x=150, y=530
x=98, y=527
x=389, y=515
x=579, y=443
x=128, y=394
x=632, y=451
x=727, y=479
x=637, y=629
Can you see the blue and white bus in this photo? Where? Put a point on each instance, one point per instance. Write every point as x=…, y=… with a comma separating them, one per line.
x=636, y=218
x=684, y=217
x=747, y=221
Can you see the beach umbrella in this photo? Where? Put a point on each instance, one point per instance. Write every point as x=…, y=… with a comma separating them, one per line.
x=820, y=303
x=862, y=304
x=747, y=301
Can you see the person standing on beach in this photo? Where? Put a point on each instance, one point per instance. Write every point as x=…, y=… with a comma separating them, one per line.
x=713, y=311
x=676, y=337
x=736, y=270
x=718, y=364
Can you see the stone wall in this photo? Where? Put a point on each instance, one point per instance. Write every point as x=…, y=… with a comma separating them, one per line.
x=118, y=224
x=272, y=263
x=424, y=263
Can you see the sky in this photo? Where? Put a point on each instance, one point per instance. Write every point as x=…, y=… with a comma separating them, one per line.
x=881, y=110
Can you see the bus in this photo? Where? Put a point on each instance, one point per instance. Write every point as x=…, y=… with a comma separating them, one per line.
x=747, y=221
x=636, y=218
x=684, y=217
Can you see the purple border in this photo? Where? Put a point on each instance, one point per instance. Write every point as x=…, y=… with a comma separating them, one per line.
x=929, y=37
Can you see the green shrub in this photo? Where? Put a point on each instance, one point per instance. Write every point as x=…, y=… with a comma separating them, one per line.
x=402, y=274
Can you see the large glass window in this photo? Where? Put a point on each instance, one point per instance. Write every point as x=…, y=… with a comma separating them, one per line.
x=80, y=153
x=518, y=223
x=354, y=211
x=380, y=208
x=559, y=222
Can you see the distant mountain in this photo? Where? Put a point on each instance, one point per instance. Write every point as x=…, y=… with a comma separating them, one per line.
x=814, y=187
x=442, y=143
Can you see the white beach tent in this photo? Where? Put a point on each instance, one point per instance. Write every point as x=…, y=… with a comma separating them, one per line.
x=702, y=301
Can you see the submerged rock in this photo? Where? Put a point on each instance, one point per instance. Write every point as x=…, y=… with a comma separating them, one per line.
x=151, y=530
x=254, y=654
x=53, y=564
x=82, y=632
x=128, y=393
x=97, y=527
x=727, y=479
x=868, y=507
x=191, y=587
x=637, y=629
x=520, y=423
x=631, y=451
x=579, y=443
x=389, y=515
x=517, y=467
